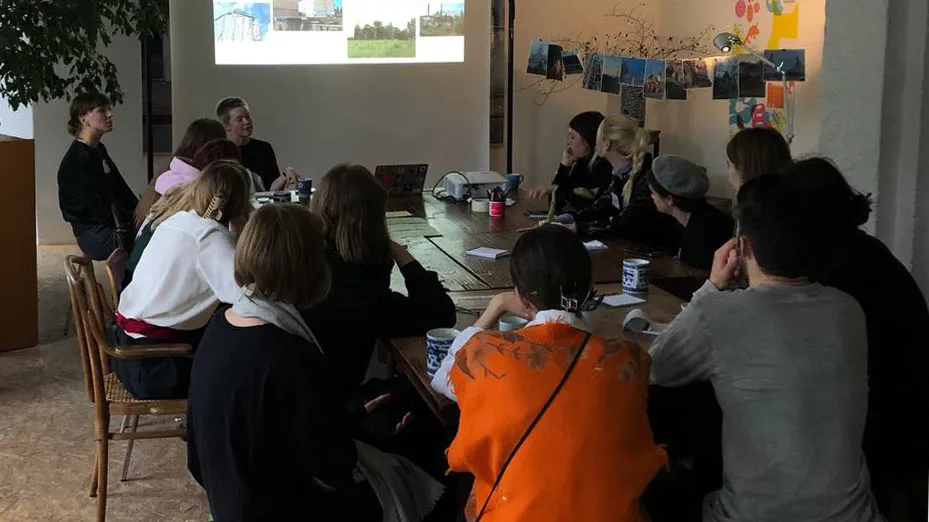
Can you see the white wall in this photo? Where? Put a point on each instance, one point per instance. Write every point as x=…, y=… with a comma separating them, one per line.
x=124, y=143
x=317, y=116
x=15, y=123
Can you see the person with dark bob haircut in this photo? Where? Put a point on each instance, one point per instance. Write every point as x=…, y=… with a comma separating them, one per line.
x=897, y=318
x=92, y=195
x=754, y=152
x=787, y=359
x=594, y=435
x=678, y=188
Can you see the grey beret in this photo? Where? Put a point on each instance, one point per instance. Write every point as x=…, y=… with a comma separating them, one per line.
x=680, y=177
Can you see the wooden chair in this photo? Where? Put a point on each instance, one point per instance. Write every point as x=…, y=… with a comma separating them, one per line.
x=104, y=390
x=115, y=266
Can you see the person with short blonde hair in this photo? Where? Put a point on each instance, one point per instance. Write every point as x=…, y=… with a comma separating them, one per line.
x=181, y=277
x=362, y=308
x=257, y=155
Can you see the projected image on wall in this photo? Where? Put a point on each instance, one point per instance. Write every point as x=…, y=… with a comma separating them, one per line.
x=306, y=32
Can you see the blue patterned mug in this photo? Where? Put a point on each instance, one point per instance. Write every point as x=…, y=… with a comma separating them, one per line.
x=438, y=341
x=635, y=275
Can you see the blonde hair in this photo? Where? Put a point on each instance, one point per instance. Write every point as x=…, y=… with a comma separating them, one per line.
x=222, y=193
x=624, y=135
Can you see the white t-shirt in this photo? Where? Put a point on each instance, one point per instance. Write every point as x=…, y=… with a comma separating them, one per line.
x=184, y=273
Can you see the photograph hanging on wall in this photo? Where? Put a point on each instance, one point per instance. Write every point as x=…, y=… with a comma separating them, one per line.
x=632, y=103
x=674, y=80
x=654, y=79
x=555, y=63
x=593, y=71
x=572, y=64
x=751, y=77
x=793, y=62
x=612, y=66
x=726, y=78
x=538, y=58
x=688, y=73
x=699, y=73
x=633, y=71
x=775, y=97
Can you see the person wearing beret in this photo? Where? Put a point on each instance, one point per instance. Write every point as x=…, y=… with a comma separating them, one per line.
x=678, y=189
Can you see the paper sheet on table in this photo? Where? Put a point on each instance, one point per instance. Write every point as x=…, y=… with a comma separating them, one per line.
x=622, y=300
x=488, y=253
x=637, y=321
x=595, y=244
x=398, y=213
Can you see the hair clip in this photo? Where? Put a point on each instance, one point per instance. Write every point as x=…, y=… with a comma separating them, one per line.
x=569, y=304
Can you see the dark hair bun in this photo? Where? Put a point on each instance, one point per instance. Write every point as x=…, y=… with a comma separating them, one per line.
x=860, y=208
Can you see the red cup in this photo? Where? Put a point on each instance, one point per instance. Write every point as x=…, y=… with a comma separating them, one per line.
x=497, y=208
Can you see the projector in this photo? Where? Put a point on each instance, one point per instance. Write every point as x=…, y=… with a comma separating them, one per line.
x=465, y=185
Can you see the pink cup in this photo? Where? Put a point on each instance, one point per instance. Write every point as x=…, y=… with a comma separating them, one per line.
x=497, y=208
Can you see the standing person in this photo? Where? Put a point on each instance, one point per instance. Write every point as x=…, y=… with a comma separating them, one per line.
x=679, y=190
x=361, y=307
x=92, y=194
x=257, y=156
x=582, y=175
x=897, y=319
x=591, y=453
x=181, y=278
x=181, y=169
x=755, y=152
x=787, y=359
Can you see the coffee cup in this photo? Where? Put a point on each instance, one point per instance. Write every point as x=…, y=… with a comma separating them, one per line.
x=636, y=275
x=438, y=341
x=510, y=323
x=513, y=181
x=497, y=208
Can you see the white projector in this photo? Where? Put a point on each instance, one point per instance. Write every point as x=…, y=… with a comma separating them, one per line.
x=465, y=185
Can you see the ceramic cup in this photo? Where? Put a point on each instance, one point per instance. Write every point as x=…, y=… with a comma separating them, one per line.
x=635, y=275
x=438, y=341
x=510, y=323
x=513, y=181
x=497, y=208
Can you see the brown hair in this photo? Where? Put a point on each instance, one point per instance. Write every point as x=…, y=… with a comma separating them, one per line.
x=281, y=256
x=758, y=151
x=221, y=193
x=219, y=149
x=81, y=105
x=352, y=205
x=198, y=134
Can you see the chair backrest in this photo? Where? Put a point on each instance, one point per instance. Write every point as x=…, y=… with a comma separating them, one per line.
x=115, y=266
x=85, y=297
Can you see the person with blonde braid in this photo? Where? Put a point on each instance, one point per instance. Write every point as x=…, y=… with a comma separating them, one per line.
x=182, y=277
x=626, y=208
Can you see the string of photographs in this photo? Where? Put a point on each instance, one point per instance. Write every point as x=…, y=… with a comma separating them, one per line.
x=638, y=79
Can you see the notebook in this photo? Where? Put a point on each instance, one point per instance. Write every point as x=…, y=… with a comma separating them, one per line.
x=488, y=253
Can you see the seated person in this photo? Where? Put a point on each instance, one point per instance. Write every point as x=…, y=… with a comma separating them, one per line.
x=92, y=195
x=181, y=278
x=266, y=438
x=787, y=359
x=591, y=454
x=897, y=321
x=755, y=152
x=678, y=189
x=581, y=176
x=257, y=156
x=180, y=170
x=361, y=307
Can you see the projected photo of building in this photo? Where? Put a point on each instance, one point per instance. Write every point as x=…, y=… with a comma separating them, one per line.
x=442, y=19
x=307, y=15
x=240, y=21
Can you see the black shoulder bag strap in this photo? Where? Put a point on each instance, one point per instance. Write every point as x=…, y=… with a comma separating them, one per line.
x=538, y=417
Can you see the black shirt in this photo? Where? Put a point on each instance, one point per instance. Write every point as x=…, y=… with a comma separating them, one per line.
x=708, y=229
x=265, y=438
x=88, y=184
x=258, y=157
x=595, y=178
x=361, y=308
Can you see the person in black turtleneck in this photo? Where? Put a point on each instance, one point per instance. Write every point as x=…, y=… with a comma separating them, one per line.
x=361, y=307
x=581, y=176
x=257, y=156
x=92, y=194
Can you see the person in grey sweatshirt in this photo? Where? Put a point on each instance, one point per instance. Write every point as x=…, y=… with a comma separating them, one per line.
x=787, y=359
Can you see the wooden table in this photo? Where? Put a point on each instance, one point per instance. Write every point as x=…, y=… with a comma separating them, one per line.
x=410, y=353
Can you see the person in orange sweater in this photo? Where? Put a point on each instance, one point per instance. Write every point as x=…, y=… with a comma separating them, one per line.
x=553, y=419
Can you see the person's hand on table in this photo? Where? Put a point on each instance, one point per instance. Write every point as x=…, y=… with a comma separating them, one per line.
x=725, y=265
x=502, y=304
x=568, y=158
x=400, y=254
x=539, y=193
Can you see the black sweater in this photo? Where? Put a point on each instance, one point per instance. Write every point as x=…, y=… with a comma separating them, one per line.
x=897, y=428
x=708, y=229
x=596, y=179
x=88, y=184
x=361, y=308
x=264, y=431
x=258, y=156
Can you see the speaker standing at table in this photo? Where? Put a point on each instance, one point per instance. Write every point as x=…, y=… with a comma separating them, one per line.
x=257, y=156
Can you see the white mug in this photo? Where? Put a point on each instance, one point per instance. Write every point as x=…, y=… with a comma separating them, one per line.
x=510, y=323
x=635, y=275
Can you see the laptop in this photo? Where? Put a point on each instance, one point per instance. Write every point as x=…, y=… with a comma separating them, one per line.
x=402, y=180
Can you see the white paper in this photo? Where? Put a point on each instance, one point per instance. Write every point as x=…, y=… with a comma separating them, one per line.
x=622, y=300
x=397, y=214
x=487, y=253
x=595, y=244
x=637, y=321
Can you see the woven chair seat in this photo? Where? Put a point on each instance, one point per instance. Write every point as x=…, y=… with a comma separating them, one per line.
x=121, y=400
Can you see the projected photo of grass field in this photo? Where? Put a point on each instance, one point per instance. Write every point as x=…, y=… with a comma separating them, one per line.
x=377, y=40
